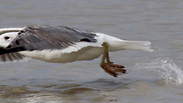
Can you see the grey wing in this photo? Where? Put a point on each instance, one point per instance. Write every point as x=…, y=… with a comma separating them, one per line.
x=38, y=37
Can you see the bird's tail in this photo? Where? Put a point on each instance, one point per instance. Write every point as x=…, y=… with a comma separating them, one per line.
x=137, y=45
x=116, y=44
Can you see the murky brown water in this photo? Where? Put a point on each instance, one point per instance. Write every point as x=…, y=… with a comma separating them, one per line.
x=152, y=77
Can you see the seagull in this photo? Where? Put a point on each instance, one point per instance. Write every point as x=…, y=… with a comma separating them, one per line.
x=62, y=44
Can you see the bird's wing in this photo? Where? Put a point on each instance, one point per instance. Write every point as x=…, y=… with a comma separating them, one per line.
x=6, y=30
x=45, y=37
x=38, y=37
x=11, y=57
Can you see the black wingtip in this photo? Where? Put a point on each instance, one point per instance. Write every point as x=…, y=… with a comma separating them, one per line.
x=3, y=51
x=10, y=50
x=10, y=54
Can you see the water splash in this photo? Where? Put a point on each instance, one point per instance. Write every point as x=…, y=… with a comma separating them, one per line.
x=165, y=68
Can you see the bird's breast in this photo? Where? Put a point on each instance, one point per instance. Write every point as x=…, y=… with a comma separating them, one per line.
x=58, y=56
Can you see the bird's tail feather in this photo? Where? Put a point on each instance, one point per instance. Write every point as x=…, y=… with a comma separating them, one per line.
x=137, y=45
x=116, y=44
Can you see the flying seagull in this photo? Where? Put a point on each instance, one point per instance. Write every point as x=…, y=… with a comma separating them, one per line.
x=62, y=44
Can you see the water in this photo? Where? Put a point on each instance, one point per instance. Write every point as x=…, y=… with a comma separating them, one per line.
x=153, y=77
x=164, y=67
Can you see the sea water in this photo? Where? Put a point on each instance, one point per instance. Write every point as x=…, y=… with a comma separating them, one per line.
x=163, y=68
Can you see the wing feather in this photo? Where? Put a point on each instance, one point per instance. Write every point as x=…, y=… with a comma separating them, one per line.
x=38, y=37
x=11, y=57
x=44, y=37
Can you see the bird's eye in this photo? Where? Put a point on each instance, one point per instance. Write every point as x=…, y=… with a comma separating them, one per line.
x=6, y=37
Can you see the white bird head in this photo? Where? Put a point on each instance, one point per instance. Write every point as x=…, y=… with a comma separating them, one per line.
x=7, y=35
x=6, y=38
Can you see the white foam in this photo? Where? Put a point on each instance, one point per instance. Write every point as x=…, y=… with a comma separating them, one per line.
x=165, y=68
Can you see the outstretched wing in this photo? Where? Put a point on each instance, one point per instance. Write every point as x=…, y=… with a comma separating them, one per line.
x=38, y=37
x=42, y=37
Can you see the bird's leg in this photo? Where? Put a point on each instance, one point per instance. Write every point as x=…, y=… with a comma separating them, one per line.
x=108, y=59
x=109, y=67
x=104, y=65
x=112, y=64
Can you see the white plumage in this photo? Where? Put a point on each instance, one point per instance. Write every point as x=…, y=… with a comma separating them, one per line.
x=60, y=44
